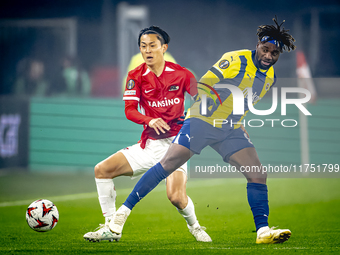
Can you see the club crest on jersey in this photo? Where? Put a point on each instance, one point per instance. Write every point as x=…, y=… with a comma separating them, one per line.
x=173, y=88
x=267, y=86
x=223, y=64
x=130, y=84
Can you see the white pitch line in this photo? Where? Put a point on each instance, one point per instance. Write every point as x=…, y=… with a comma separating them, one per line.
x=251, y=248
x=205, y=183
x=60, y=198
x=54, y=199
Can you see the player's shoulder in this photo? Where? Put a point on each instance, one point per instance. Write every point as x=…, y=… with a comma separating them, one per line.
x=134, y=73
x=173, y=66
x=232, y=58
x=237, y=53
x=170, y=66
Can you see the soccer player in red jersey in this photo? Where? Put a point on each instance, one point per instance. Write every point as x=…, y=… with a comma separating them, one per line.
x=158, y=87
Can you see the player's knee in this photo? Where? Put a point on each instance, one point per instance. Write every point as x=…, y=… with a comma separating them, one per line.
x=97, y=171
x=260, y=178
x=166, y=166
x=101, y=172
x=169, y=165
x=177, y=199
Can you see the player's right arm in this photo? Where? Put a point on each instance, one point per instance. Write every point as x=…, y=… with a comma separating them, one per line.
x=159, y=124
x=132, y=113
x=132, y=97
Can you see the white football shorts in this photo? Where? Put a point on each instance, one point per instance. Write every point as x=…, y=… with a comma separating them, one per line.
x=141, y=160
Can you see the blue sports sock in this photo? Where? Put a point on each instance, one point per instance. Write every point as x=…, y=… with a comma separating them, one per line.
x=147, y=183
x=258, y=201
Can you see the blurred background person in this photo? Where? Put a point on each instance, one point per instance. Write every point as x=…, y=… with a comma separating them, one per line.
x=30, y=79
x=72, y=80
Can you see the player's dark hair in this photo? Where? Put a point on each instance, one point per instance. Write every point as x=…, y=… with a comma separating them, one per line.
x=162, y=36
x=278, y=33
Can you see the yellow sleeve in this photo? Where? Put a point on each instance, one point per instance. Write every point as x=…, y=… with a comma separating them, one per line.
x=135, y=61
x=169, y=57
x=227, y=67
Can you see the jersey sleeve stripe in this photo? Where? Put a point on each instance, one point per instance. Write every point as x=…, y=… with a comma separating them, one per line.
x=217, y=73
x=131, y=98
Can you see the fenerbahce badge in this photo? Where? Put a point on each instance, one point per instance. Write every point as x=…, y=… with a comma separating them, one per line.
x=223, y=64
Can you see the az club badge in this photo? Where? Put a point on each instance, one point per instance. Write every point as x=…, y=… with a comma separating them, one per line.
x=173, y=88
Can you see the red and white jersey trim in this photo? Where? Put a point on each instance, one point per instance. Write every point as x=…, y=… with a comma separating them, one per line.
x=146, y=72
x=168, y=69
x=131, y=98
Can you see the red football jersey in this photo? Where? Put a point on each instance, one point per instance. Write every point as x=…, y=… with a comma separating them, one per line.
x=158, y=97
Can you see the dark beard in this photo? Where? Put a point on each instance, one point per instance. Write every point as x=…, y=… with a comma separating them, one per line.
x=258, y=64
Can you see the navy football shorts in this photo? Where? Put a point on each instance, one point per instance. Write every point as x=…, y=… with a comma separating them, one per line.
x=196, y=134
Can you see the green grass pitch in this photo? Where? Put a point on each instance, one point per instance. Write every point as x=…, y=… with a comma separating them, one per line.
x=310, y=208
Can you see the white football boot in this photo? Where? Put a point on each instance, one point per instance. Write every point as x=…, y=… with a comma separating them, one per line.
x=199, y=233
x=102, y=233
x=271, y=235
x=116, y=225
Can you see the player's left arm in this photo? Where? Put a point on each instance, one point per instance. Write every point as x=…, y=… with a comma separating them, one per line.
x=224, y=68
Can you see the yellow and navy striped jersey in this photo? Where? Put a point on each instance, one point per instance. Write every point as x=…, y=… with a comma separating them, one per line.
x=236, y=68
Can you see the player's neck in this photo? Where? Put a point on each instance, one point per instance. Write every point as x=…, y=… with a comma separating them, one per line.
x=157, y=69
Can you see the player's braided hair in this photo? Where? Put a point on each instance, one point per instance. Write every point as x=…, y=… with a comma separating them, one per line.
x=162, y=36
x=278, y=33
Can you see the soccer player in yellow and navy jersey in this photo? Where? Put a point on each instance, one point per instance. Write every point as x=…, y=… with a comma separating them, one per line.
x=242, y=69
x=236, y=68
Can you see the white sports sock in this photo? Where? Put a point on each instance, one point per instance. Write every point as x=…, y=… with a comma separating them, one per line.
x=188, y=213
x=261, y=230
x=123, y=209
x=107, y=197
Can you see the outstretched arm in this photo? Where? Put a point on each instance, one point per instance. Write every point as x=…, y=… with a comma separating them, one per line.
x=132, y=113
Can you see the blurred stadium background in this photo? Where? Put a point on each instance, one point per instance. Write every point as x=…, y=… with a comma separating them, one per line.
x=64, y=128
x=68, y=128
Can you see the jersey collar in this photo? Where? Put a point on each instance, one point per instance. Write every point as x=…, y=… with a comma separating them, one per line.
x=166, y=69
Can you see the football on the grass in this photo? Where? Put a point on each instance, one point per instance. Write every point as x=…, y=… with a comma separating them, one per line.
x=42, y=215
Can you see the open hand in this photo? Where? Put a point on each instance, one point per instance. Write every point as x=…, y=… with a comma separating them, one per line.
x=159, y=125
